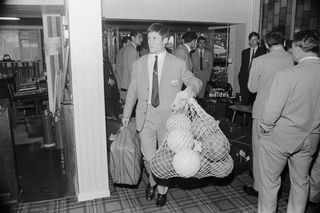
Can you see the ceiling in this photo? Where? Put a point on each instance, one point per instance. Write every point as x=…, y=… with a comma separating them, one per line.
x=29, y=14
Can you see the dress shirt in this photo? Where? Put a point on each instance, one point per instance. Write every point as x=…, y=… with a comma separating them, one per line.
x=188, y=48
x=151, y=60
x=251, y=52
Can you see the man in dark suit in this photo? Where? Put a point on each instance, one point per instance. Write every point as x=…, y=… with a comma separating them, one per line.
x=247, y=98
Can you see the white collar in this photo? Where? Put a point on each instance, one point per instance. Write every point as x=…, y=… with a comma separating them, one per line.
x=188, y=48
x=134, y=44
x=160, y=55
x=308, y=57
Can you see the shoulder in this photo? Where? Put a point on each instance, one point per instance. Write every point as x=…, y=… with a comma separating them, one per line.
x=287, y=73
x=245, y=50
x=172, y=58
x=142, y=59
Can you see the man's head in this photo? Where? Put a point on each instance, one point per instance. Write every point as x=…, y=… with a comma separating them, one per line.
x=158, y=36
x=305, y=43
x=136, y=37
x=202, y=42
x=126, y=40
x=274, y=38
x=254, y=39
x=189, y=38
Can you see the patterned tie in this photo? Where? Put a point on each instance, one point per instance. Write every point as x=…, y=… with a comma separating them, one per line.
x=201, y=60
x=155, y=87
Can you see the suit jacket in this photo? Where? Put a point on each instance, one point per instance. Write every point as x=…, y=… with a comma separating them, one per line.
x=183, y=53
x=292, y=109
x=130, y=54
x=262, y=73
x=207, y=63
x=174, y=73
x=245, y=62
x=119, y=67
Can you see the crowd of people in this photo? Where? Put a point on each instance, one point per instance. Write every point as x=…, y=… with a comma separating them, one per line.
x=280, y=81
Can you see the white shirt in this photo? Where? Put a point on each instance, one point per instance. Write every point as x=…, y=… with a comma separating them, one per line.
x=151, y=60
x=251, y=52
x=188, y=48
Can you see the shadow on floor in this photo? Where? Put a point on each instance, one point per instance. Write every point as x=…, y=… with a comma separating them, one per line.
x=39, y=172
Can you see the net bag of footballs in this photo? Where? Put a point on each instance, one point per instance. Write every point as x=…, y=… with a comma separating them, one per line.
x=194, y=146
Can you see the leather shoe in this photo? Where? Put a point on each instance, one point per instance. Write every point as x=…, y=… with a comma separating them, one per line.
x=150, y=191
x=250, y=191
x=161, y=200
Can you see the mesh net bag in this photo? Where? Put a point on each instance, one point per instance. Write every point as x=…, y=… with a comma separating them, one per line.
x=194, y=145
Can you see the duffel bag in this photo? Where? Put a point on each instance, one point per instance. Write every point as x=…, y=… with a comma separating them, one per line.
x=125, y=156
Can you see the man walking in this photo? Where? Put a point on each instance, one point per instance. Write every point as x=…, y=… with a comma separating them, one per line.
x=156, y=81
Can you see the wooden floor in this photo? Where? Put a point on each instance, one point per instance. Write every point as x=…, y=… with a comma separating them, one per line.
x=39, y=170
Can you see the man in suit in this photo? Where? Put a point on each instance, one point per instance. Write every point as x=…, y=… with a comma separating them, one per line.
x=290, y=126
x=130, y=54
x=183, y=51
x=262, y=72
x=247, y=55
x=156, y=82
x=202, y=61
x=119, y=60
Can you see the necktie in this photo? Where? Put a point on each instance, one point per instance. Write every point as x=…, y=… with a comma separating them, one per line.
x=200, y=59
x=252, y=56
x=155, y=87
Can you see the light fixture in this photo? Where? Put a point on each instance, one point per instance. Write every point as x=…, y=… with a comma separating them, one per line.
x=10, y=18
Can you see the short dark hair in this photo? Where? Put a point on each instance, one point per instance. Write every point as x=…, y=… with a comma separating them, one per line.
x=126, y=39
x=307, y=40
x=189, y=36
x=274, y=38
x=162, y=29
x=254, y=34
x=134, y=33
x=201, y=38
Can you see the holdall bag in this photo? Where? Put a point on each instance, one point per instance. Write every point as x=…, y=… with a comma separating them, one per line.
x=242, y=156
x=125, y=156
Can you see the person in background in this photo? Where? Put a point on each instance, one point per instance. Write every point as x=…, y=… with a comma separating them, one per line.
x=130, y=54
x=111, y=93
x=119, y=61
x=262, y=73
x=6, y=58
x=247, y=98
x=290, y=126
x=202, y=61
x=183, y=51
x=155, y=98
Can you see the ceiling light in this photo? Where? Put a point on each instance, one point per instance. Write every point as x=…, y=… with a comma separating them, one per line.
x=10, y=18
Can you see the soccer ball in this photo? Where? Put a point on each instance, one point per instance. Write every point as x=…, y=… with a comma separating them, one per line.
x=186, y=163
x=179, y=139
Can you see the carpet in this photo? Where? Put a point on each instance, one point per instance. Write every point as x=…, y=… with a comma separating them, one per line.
x=187, y=196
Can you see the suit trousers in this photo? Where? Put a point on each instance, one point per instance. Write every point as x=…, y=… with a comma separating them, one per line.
x=314, y=195
x=255, y=154
x=273, y=159
x=152, y=135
